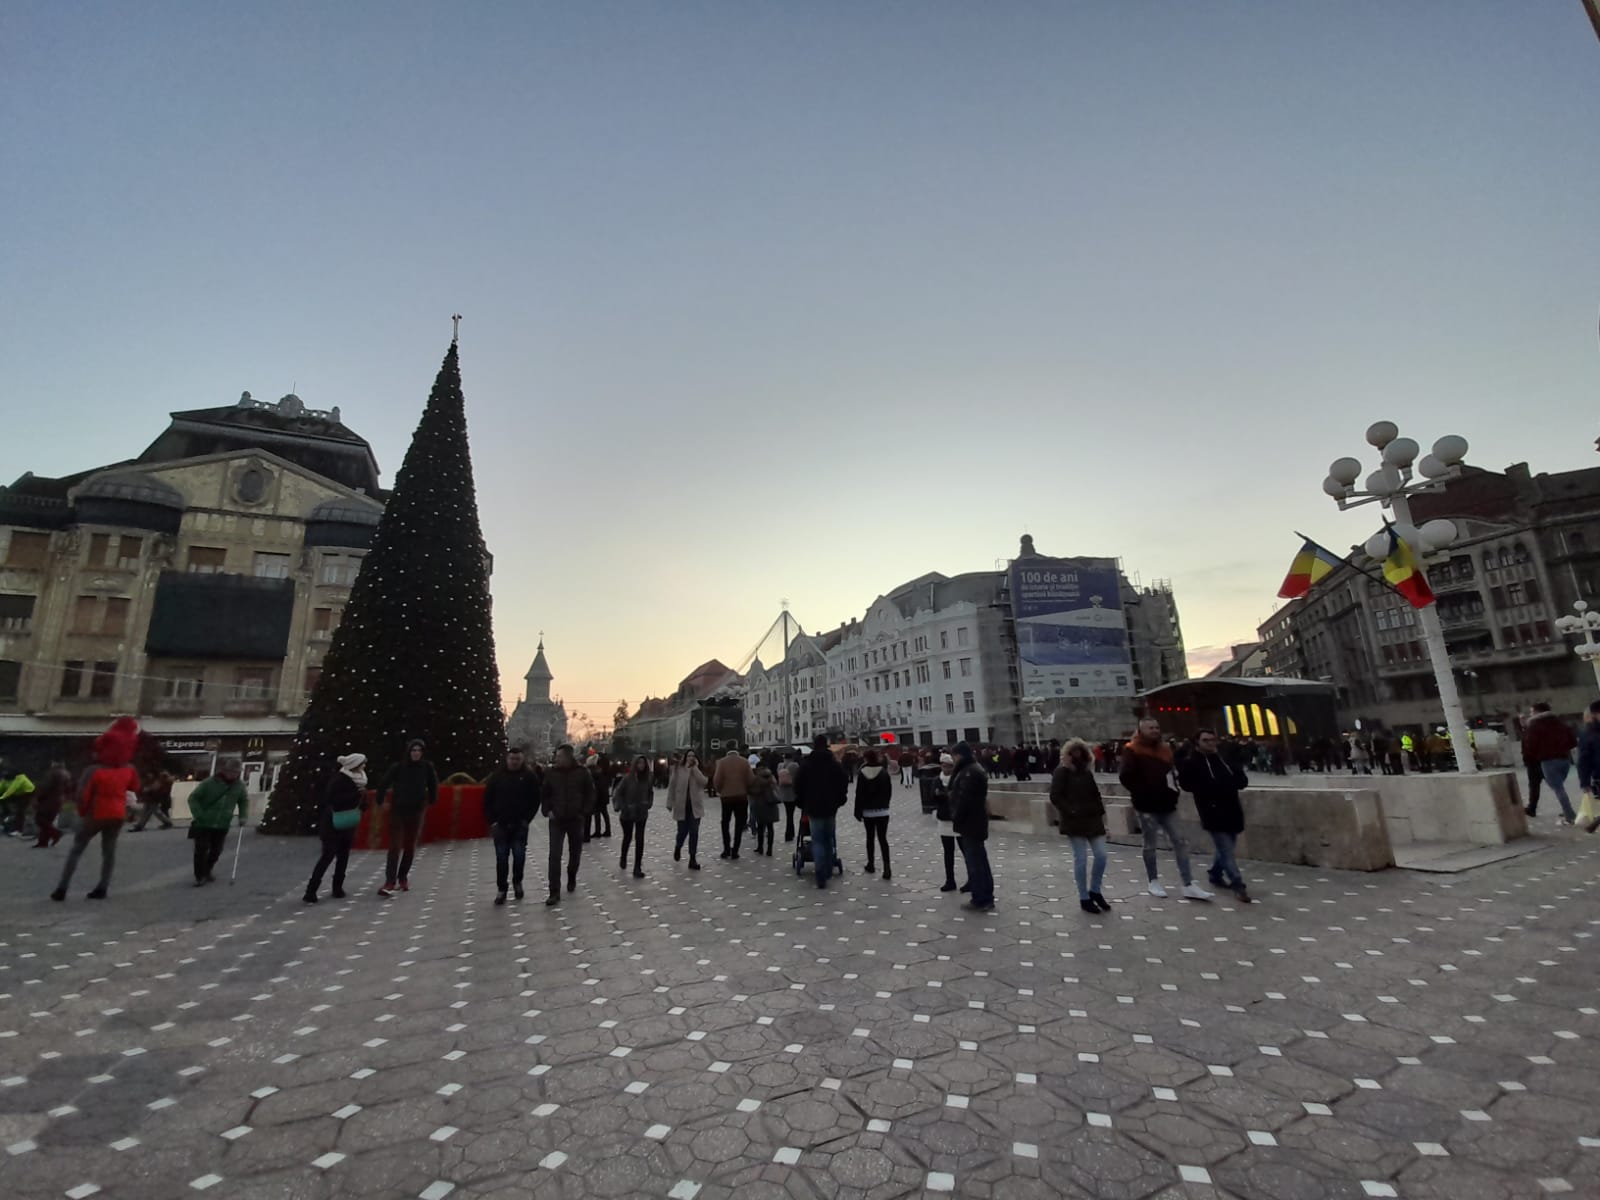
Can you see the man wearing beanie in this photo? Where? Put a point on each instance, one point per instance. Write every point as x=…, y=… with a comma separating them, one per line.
x=415, y=786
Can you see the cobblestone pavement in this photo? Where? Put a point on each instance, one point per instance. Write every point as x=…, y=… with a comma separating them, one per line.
x=736, y=1030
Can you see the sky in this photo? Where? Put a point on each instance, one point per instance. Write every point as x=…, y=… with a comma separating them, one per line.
x=801, y=301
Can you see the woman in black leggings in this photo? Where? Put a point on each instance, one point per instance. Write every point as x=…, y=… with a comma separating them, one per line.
x=874, y=791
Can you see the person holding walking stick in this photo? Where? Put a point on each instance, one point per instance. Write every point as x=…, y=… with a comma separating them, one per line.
x=212, y=805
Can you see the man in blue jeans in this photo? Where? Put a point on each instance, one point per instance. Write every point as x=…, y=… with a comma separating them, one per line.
x=1215, y=785
x=820, y=788
x=510, y=803
x=969, y=804
x=1152, y=782
x=1547, y=744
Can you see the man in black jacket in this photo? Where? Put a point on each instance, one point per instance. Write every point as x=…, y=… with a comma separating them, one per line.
x=415, y=785
x=1215, y=785
x=567, y=797
x=820, y=788
x=969, y=803
x=510, y=803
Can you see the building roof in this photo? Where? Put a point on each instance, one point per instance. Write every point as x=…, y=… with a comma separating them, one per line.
x=140, y=489
x=540, y=668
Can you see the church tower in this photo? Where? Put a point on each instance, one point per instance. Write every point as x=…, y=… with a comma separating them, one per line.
x=538, y=678
x=539, y=723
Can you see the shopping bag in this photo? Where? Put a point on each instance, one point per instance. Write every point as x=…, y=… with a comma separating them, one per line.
x=1587, y=812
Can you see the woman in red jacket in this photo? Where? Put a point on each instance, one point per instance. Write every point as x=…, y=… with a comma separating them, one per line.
x=103, y=803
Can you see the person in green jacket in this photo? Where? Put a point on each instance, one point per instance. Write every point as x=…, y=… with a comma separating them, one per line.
x=211, y=805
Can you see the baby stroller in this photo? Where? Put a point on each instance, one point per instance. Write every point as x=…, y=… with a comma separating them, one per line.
x=802, y=849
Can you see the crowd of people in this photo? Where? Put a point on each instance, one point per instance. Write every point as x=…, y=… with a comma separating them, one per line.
x=754, y=791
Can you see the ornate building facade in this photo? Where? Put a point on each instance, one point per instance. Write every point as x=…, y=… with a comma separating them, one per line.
x=196, y=586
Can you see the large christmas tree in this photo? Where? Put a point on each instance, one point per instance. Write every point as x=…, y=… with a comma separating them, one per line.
x=414, y=655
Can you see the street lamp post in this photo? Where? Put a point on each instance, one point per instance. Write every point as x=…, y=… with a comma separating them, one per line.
x=1036, y=716
x=1586, y=622
x=1392, y=485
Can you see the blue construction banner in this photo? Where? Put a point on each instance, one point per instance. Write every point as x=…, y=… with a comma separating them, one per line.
x=1072, y=636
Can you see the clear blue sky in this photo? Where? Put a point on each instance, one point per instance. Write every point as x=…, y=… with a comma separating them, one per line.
x=803, y=300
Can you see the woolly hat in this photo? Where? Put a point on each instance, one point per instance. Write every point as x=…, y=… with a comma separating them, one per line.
x=114, y=747
x=946, y=761
x=352, y=762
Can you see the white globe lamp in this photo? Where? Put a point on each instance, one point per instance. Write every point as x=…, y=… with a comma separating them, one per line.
x=1401, y=452
x=1345, y=470
x=1450, y=449
x=1381, y=433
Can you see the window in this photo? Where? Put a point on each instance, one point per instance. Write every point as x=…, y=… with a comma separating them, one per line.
x=1531, y=587
x=1516, y=593
x=1574, y=540
x=252, y=683
x=313, y=677
x=71, y=678
x=949, y=703
x=323, y=622
x=103, y=680
x=84, y=612
x=968, y=702
x=946, y=665
x=10, y=679
x=966, y=668
x=944, y=639
x=110, y=550
x=115, y=622
x=1541, y=631
x=189, y=685
x=923, y=674
x=206, y=560
x=949, y=737
x=272, y=566
x=27, y=550
x=961, y=636
x=339, y=569
x=16, y=614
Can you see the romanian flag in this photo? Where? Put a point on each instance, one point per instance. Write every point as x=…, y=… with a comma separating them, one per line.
x=1401, y=570
x=1311, y=566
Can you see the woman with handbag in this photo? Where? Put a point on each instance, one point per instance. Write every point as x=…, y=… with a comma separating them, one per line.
x=343, y=798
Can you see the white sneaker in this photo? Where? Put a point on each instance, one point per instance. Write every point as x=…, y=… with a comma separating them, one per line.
x=1193, y=891
x=1157, y=890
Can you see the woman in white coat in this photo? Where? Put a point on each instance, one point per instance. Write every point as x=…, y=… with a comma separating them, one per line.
x=686, y=795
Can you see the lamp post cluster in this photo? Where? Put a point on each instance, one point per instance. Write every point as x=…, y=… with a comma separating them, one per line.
x=1587, y=622
x=1401, y=474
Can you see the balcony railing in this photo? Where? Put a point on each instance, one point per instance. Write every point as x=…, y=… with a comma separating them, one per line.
x=173, y=706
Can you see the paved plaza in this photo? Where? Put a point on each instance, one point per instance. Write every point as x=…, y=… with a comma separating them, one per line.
x=738, y=1032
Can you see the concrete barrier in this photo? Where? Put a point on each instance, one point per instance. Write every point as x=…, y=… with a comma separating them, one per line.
x=1323, y=827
